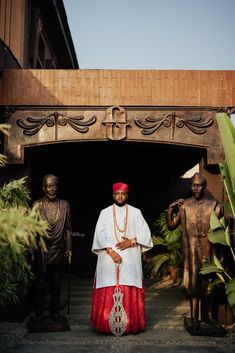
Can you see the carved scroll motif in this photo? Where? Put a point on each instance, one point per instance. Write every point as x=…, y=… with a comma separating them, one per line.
x=196, y=124
x=33, y=125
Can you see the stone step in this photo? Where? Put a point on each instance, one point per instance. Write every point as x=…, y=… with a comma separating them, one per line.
x=157, y=334
x=165, y=333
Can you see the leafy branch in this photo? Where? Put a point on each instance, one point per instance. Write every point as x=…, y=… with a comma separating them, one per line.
x=219, y=233
x=21, y=230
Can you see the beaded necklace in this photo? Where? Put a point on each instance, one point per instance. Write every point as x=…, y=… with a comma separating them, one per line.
x=116, y=227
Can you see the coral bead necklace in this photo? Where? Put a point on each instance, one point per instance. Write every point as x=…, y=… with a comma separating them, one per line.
x=116, y=227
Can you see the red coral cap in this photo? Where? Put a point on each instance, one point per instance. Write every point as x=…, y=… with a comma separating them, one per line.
x=120, y=186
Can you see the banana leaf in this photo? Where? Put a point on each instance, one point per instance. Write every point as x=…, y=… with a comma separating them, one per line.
x=216, y=233
x=223, y=222
x=229, y=196
x=227, y=236
x=217, y=237
x=215, y=222
x=217, y=263
x=227, y=134
x=210, y=268
x=230, y=291
x=215, y=283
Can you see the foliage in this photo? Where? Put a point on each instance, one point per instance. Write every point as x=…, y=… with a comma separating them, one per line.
x=167, y=248
x=21, y=230
x=4, y=129
x=227, y=168
x=14, y=193
x=15, y=272
x=220, y=233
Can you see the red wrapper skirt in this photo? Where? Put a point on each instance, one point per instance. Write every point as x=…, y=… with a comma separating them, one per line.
x=133, y=303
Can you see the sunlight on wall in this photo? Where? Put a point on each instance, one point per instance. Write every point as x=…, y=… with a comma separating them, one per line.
x=191, y=172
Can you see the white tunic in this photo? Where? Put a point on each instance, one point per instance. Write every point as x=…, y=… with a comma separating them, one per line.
x=131, y=273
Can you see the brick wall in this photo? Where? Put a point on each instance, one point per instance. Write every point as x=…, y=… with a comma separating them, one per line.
x=118, y=87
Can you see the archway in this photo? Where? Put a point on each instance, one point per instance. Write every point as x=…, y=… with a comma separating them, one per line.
x=87, y=170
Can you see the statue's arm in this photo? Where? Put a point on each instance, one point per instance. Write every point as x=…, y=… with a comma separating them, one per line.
x=173, y=218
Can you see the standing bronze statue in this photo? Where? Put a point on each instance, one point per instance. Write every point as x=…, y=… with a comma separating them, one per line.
x=194, y=215
x=49, y=264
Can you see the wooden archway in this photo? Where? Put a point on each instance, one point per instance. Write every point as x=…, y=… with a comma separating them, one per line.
x=190, y=127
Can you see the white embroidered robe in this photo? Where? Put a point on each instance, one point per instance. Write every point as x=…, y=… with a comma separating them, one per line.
x=131, y=273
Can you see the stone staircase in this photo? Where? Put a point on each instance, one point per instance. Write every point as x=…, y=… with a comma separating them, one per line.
x=165, y=309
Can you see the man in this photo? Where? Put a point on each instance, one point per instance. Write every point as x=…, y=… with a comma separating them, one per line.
x=121, y=235
x=194, y=215
x=58, y=244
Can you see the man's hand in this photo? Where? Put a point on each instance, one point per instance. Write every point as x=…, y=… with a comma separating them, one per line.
x=116, y=257
x=125, y=244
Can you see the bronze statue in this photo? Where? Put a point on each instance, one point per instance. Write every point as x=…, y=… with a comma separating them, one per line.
x=194, y=215
x=59, y=245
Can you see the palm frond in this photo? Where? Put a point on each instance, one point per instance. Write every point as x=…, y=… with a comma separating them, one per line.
x=14, y=193
x=168, y=247
x=161, y=228
x=158, y=261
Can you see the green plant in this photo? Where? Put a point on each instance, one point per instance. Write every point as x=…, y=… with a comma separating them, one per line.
x=4, y=130
x=167, y=248
x=21, y=229
x=220, y=232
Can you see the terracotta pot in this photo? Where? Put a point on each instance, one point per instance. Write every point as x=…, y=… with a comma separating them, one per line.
x=173, y=273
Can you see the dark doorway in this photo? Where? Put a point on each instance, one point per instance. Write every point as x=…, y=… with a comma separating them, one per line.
x=87, y=170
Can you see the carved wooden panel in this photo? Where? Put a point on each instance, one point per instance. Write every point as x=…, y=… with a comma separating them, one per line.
x=37, y=126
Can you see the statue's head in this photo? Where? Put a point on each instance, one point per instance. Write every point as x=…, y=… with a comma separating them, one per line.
x=198, y=186
x=50, y=184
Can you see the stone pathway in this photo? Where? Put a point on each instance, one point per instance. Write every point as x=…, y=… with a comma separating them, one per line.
x=165, y=309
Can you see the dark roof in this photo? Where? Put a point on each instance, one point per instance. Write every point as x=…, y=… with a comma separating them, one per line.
x=58, y=30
